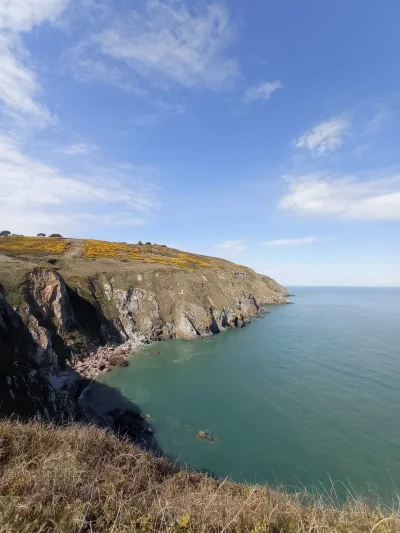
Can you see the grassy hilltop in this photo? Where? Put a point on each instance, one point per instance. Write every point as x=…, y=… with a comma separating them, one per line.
x=94, y=249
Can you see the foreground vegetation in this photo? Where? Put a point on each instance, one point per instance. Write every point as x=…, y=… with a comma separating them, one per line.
x=83, y=479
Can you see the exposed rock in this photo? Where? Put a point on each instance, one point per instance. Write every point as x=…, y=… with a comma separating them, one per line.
x=24, y=388
x=47, y=298
x=117, y=360
x=205, y=436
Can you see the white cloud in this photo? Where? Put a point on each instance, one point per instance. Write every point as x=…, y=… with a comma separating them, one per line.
x=262, y=91
x=164, y=42
x=19, y=86
x=347, y=197
x=237, y=245
x=325, y=137
x=297, y=241
x=38, y=197
x=80, y=148
x=22, y=15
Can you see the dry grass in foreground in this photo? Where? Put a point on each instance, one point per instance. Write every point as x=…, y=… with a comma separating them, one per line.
x=83, y=479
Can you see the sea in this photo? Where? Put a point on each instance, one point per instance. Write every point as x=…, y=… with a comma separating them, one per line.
x=306, y=397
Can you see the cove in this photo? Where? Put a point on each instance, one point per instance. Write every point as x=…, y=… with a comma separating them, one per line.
x=307, y=395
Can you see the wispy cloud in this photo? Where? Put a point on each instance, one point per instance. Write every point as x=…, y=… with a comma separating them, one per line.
x=347, y=197
x=297, y=241
x=325, y=137
x=237, y=245
x=19, y=85
x=162, y=110
x=35, y=196
x=378, y=120
x=163, y=42
x=79, y=148
x=262, y=91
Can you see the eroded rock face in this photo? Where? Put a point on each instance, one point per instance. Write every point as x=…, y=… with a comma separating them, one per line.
x=191, y=310
x=156, y=304
x=47, y=297
x=24, y=389
x=138, y=311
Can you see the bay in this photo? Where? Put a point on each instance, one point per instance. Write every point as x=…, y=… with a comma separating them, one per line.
x=303, y=397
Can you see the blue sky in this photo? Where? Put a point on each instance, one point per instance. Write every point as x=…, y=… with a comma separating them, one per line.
x=265, y=132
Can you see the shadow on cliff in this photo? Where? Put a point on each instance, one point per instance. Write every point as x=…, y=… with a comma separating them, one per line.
x=106, y=406
x=26, y=392
x=88, y=329
x=90, y=320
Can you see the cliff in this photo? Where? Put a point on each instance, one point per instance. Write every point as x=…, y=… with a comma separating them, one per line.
x=62, y=299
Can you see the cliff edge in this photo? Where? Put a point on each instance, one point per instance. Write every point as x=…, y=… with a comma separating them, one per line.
x=63, y=299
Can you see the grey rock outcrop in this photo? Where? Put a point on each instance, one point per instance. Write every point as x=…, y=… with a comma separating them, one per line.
x=24, y=387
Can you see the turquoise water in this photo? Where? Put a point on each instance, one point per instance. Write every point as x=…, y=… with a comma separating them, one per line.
x=308, y=394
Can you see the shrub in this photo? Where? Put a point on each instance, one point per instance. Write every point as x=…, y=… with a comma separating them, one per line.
x=33, y=245
x=41, y=235
x=56, y=235
x=148, y=243
x=95, y=249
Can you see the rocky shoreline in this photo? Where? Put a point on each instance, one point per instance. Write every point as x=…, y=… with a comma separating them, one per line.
x=103, y=359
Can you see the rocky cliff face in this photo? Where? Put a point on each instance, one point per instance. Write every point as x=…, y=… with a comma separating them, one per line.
x=24, y=387
x=55, y=311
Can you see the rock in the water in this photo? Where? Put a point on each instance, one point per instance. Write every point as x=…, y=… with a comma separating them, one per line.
x=205, y=436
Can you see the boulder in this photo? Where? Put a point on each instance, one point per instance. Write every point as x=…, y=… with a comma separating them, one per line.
x=118, y=360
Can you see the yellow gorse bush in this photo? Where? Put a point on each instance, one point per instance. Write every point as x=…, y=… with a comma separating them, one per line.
x=102, y=249
x=35, y=245
x=93, y=249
